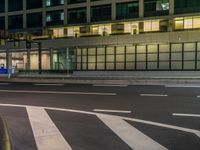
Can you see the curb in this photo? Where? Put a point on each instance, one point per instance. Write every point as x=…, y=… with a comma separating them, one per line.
x=5, y=142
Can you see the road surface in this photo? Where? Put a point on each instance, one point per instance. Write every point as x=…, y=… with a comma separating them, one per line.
x=101, y=117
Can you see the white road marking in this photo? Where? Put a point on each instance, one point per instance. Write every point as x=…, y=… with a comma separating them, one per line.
x=48, y=84
x=110, y=85
x=47, y=135
x=114, y=111
x=193, y=131
x=186, y=115
x=183, y=86
x=154, y=95
x=55, y=92
x=130, y=135
x=5, y=83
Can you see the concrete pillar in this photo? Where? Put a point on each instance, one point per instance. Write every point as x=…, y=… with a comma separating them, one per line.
x=88, y=12
x=6, y=14
x=113, y=10
x=171, y=7
x=51, y=59
x=141, y=8
x=28, y=60
x=8, y=59
x=24, y=15
x=44, y=14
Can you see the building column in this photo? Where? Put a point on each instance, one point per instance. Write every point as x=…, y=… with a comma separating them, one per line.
x=8, y=59
x=51, y=59
x=44, y=14
x=28, y=59
x=88, y=12
x=141, y=8
x=171, y=7
x=6, y=14
x=113, y=10
x=24, y=15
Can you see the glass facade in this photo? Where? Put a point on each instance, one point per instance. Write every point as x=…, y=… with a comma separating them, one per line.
x=176, y=56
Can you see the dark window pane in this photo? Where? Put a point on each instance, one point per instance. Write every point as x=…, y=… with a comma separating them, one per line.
x=15, y=5
x=15, y=22
x=34, y=20
x=32, y=4
x=54, y=2
x=77, y=15
x=156, y=7
x=186, y=6
x=101, y=13
x=55, y=18
x=127, y=10
x=2, y=5
x=75, y=1
x=2, y=23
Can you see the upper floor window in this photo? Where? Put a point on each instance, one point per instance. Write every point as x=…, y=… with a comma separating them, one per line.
x=75, y=1
x=55, y=17
x=15, y=5
x=186, y=6
x=127, y=10
x=156, y=7
x=32, y=4
x=101, y=13
x=54, y=2
x=2, y=5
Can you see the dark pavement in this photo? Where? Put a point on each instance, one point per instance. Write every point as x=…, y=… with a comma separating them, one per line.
x=84, y=131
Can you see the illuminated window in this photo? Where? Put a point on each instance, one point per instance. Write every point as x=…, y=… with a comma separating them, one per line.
x=179, y=24
x=147, y=26
x=196, y=22
x=155, y=26
x=151, y=26
x=58, y=32
x=188, y=23
x=105, y=29
x=70, y=32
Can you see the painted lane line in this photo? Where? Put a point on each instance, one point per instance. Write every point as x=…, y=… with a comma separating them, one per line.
x=109, y=85
x=5, y=83
x=112, y=111
x=153, y=95
x=130, y=135
x=47, y=135
x=182, y=86
x=188, y=130
x=186, y=115
x=48, y=84
x=54, y=92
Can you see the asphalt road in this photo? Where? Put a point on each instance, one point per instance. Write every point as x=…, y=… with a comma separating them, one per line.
x=101, y=117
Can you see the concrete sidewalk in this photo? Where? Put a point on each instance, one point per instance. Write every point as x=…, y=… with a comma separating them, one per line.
x=112, y=77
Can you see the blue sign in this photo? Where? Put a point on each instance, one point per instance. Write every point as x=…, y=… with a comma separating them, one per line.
x=3, y=71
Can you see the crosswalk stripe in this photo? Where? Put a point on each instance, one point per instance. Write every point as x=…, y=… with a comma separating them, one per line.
x=47, y=135
x=130, y=135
